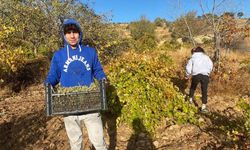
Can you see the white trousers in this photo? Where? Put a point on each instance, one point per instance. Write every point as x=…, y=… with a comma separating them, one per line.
x=93, y=124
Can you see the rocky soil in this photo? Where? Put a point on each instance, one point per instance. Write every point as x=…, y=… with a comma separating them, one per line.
x=24, y=125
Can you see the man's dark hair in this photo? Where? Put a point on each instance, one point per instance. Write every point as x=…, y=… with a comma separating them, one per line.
x=199, y=49
x=192, y=50
x=70, y=27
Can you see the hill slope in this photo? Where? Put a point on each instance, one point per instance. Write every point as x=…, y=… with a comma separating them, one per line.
x=24, y=125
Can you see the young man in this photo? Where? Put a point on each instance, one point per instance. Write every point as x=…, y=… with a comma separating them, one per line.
x=199, y=67
x=75, y=65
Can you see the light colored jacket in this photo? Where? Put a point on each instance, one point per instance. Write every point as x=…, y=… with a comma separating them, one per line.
x=199, y=63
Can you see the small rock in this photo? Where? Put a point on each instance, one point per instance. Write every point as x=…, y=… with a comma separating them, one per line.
x=201, y=120
x=142, y=135
x=165, y=138
x=156, y=143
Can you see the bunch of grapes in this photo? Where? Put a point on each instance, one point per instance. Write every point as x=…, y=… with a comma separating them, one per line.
x=62, y=90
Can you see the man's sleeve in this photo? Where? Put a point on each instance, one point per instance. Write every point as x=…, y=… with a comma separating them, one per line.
x=189, y=67
x=97, y=68
x=210, y=63
x=54, y=73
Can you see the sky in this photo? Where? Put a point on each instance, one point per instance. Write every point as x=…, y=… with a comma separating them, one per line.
x=125, y=11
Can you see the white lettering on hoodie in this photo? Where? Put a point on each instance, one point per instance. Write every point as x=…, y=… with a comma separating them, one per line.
x=199, y=63
x=75, y=58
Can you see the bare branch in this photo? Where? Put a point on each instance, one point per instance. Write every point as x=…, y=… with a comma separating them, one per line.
x=189, y=29
x=220, y=3
x=205, y=13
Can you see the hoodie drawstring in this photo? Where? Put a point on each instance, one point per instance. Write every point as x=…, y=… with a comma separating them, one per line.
x=80, y=49
x=68, y=51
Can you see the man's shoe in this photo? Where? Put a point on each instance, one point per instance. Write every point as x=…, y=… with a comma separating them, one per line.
x=191, y=101
x=204, y=110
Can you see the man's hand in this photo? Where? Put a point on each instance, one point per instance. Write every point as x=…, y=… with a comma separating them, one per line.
x=105, y=80
x=187, y=77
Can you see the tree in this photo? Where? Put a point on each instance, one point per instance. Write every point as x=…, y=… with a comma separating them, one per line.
x=223, y=27
x=160, y=22
x=214, y=22
x=218, y=23
x=188, y=26
x=143, y=32
x=37, y=24
x=141, y=28
x=230, y=14
x=231, y=32
x=240, y=14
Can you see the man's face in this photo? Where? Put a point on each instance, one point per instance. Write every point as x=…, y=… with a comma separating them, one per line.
x=72, y=37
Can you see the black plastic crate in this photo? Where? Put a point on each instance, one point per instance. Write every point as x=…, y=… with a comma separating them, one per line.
x=76, y=102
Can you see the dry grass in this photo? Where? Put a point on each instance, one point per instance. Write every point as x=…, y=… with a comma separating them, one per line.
x=231, y=79
x=236, y=55
x=123, y=30
x=181, y=55
x=162, y=34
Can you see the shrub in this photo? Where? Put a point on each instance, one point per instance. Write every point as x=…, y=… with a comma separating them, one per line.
x=17, y=71
x=141, y=28
x=245, y=64
x=143, y=32
x=144, y=90
x=160, y=22
x=170, y=46
x=10, y=62
x=145, y=43
x=244, y=104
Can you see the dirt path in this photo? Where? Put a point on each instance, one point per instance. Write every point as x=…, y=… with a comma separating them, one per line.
x=24, y=125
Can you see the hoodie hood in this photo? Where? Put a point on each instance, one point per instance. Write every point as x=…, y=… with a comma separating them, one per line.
x=199, y=63
x=197, y=54
x=66, y=44
x=76, y=67
x=72, y=21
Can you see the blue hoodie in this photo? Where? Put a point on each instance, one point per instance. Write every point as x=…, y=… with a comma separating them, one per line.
x=76, y=67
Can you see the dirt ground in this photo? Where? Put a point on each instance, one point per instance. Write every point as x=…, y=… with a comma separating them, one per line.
x=24, y=125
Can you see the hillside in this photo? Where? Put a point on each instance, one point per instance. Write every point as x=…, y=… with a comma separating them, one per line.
x=163, y=34
x=144, y=62
x=24, y=125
